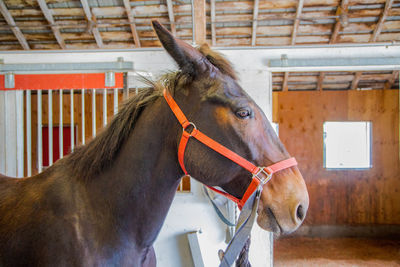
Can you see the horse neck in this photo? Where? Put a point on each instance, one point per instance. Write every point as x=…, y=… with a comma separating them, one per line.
x=139, y=187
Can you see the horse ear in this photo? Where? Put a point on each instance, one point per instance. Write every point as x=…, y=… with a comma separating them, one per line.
x=188, y=58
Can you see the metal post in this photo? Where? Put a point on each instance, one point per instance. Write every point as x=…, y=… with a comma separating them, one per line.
x=19, y=110
x=50, y=125
x=115, y=101
x=72, y=121
x=104, y=107
x=126, y=88
x=3, y=123
x=61, y=126
x=93, y=112
x=39, y=130
x=83, y=116
x=28, y=134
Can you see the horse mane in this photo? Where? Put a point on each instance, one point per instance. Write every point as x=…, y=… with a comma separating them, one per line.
x=89, y=160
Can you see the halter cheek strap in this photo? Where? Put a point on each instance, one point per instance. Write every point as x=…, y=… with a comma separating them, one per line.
x=261, y=175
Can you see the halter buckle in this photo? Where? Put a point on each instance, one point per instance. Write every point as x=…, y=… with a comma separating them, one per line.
x=193, y=125
x=266, y=178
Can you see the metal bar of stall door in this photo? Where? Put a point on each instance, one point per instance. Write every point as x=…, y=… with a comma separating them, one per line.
x=28, y=134
x=115, y=101
x=50, y=125
x=61, y=125
x=83, y=116
x=39, y=131
x=104, y=107
x=19, y=108
x=72, y=121
x=93, y=112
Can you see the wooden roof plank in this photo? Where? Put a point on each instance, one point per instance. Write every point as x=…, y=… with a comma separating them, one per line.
x=132, y=23
x=49, y=17
x=89, y=17
x=254, y=26
x=297, y=21
x=10, y=21
x=381, y=21
x=171, y=16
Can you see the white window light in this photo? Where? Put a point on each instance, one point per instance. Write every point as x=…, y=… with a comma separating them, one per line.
x=347, y=145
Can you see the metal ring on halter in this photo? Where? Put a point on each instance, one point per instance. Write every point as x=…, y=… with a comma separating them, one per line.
x=193, y=125
x=263, y=180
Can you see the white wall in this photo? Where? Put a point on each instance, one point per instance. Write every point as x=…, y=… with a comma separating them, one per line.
x=11, y=133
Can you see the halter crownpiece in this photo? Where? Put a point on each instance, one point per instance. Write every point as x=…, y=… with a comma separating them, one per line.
x=261, y=175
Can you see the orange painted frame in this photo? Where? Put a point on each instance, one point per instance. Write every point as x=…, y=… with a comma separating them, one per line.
x=62, y=81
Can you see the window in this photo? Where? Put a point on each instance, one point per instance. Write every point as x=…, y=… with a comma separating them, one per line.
x=347, y=145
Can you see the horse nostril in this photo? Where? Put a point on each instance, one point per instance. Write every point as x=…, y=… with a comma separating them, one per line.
x=300, y=212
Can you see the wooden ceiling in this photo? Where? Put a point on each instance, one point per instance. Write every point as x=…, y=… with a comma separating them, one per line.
x=120, y=24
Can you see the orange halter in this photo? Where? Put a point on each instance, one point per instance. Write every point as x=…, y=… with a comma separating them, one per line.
x=256, y=171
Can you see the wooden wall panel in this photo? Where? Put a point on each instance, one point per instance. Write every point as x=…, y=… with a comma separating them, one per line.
x=348, y=196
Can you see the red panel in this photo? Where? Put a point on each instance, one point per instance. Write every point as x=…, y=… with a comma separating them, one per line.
x=62, y=81
x=56, y=146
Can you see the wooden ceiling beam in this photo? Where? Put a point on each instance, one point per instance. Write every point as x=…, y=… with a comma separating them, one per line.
x=254, y=28
x=10, y=21
x=375, y=34
x=213, y=27
x=354, y=83
x=320, y=82
x=49, y=17
x=199, y=21
x=132, y=23
x=381, y=21
x=297, y=21
x=340, y=10
x=285, y=82
x=171, y=16
x=392, y=79
x=94, y=29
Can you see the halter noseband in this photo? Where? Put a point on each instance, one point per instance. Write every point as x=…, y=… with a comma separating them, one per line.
x=256, y=171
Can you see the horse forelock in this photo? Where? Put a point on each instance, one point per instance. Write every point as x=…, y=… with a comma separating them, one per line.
x=219, y=61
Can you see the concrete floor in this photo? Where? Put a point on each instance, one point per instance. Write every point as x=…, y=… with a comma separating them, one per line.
x=347, y=252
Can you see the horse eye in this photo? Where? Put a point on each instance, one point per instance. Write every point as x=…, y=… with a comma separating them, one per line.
x=243, y=113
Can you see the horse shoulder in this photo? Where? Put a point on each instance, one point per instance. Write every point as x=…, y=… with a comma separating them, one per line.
x=35, y=221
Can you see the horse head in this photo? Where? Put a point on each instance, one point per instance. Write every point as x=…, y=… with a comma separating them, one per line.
x=209, y=94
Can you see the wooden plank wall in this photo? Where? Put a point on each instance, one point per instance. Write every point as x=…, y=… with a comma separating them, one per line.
x=352, y=197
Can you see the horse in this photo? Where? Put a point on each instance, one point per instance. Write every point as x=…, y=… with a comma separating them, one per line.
x=104, y=204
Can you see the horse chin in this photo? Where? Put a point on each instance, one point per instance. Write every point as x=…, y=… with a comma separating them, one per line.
x=267, y=221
